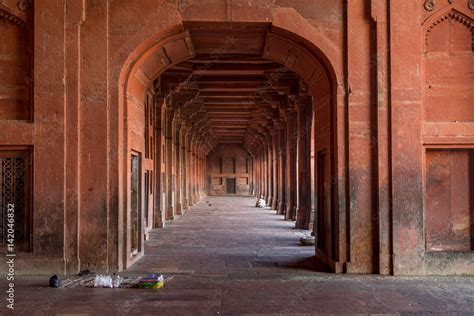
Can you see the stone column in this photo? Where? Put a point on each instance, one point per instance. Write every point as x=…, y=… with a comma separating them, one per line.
x=159, y=212
x=304, y=113
x=275, y=164
x=189, y=173
x=269, y=170
x=169, y=113
x=251, y=167
x=203, y=174
x=256, y=178
x=281, y=170
x=184, y=155
x=193, y=173
x=263, y=189
x=264, y=172
x=291, y=165
x=198, y=173
x=259, y=180
x=195, y=169
x=177, y=164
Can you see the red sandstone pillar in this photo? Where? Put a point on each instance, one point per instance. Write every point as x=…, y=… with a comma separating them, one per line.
x=169, y=113
x=194, y=170
x=200, y=154
x=199, y=173
x=281, y=169
x=188, y=168
x=304, y=113
x=264, y=171
x=177, y=164
x=291, y=165
x=269, y=170
x=159, y=212
x=203, y=173
x=258, y=179
x=184, y=178
x=203, y=168
x=275, y=146
x=191, y=170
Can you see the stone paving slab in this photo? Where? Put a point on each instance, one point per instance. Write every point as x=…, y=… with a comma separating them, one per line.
x=234, y=259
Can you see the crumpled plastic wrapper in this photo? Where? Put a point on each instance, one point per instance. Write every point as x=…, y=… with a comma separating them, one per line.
x=107, y=281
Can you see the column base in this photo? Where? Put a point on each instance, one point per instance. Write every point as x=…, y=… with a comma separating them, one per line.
x=170, y=214
x=301, y=218
x=281, y=208
x=275, y=204
x=290, y=214
x=179, y=209
x=268, y=200
x=158, y=220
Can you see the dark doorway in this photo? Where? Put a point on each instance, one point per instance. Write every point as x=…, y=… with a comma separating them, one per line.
x=230, y=185
x=135, y=204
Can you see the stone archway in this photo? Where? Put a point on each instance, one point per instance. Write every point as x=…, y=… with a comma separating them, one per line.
x=290, y=41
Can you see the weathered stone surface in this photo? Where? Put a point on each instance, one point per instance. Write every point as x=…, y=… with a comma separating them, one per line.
x=87, y=85
x=231, y=259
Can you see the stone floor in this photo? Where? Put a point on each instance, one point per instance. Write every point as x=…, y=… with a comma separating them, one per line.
x=232, y=258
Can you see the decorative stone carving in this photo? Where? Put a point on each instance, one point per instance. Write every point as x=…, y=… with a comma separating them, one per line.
x=450, y=15
x=429, y=5
x=23, y=5
x=10, y=17
x=470, y=4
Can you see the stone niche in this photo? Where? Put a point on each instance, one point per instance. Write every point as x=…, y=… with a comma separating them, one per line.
x=449, y=165
x=229, y=170
x=449, y=215
x=15, y=69
x=449, y=66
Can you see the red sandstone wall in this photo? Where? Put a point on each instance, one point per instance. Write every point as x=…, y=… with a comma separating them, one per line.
x=16, y=81
x=229, y=161
x=380, y=118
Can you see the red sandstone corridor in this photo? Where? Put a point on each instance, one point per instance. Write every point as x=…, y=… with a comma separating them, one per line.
x=226, y=262
x=350, y=118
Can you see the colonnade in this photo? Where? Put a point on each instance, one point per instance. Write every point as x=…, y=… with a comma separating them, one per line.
x=280, y=143
x=185, y=139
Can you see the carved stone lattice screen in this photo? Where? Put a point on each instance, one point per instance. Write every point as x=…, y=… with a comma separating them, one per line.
x=14, y=189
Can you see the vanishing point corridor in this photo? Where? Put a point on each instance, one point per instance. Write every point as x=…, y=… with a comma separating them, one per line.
x=137, y=138
x=228, y=236
x=221, y=260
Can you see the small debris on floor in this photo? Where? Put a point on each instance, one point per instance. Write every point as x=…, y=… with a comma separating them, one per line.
x=261, y=202
x=117, y=281
x=307, y=240
x=209, y=204
x=152, y=281
x=107, y=281
x=54, y=281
